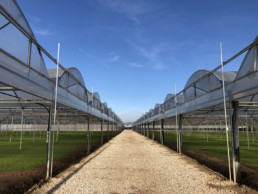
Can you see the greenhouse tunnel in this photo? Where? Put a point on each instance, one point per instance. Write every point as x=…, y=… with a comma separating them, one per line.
x=28, y=89
x=28, y=94
x=200, y=105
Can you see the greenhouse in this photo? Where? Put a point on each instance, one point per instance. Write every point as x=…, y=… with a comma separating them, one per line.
x=200, y=105
x=33, y=107
x=53, y=122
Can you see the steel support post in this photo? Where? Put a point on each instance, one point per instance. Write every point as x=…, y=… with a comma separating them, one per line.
x=162, y=131
x=108, y=130
x=113, y=129
x=22, y=120
x=101, y=127
x=88, y=136
x=144, y=129
x=153, y=130
x=235, y=143
x=29, y=53
x=148, y=125
x=48, y=141
x=180, y=134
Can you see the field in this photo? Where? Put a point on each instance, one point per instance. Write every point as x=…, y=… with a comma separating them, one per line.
x=19, y=169
x=214, y=144
x=209, y=148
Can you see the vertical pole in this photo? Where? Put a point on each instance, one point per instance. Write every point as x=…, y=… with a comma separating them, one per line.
x=48, y=141
x=11, y=132
x=162, y=131
x=235, y=143
x=35, y=123
x=113, y=129
x=176, y=127
x=221, y=131
x=101, y=127
x=58, y=129
x=252, y=128
x=88, y=136
x=180, y=134
x=225, y=110
x=148, y=129
x=29, y=53
x=7, y=127
x=108, y=130
x=247, y=131
x=144, y=129
x=22, y=119
x=153, y=130
x=53, y=140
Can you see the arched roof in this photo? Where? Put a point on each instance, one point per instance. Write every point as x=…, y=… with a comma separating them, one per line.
x=96, y=94
x=15, y=11
x=15, y=43
x=228, y=76
x=157, y=105
x=66, y=80
x=61, y=73
x=168, y=96
x=209, y=83
x=250, y=62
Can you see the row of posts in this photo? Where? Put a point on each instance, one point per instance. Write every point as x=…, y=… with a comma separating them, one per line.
x=49, y=164
x=145, y=130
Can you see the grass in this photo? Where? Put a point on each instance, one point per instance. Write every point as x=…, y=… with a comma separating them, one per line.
x=214, y=143
x=33, y=152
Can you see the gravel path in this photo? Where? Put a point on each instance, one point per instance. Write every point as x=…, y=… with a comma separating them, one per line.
x=131, y=163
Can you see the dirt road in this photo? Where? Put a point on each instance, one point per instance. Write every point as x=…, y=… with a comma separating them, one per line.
x=131, y=163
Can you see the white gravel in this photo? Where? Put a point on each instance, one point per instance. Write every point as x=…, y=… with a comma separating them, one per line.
x=131, y=163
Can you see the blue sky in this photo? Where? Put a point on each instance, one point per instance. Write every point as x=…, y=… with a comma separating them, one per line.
x=133, y=52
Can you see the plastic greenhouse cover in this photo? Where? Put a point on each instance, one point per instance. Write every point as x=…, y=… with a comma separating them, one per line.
x=35, y=80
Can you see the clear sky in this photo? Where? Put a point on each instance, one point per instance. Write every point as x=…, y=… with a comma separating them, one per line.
x=133, y=52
